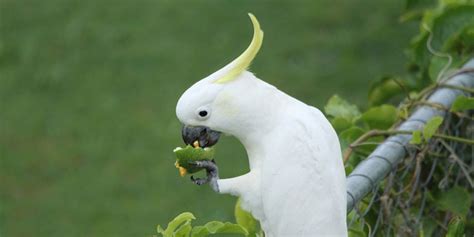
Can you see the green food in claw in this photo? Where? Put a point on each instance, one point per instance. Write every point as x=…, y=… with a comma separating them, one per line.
x=184, y=156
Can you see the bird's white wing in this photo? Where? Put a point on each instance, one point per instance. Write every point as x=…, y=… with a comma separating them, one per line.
x=303, y=179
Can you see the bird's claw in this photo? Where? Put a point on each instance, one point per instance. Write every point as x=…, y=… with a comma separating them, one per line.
x=212, y=173
x=207, y=164
x=199, y=181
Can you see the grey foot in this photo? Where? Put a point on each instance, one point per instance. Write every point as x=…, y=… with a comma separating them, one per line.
x=199, y=181
x=212, y=174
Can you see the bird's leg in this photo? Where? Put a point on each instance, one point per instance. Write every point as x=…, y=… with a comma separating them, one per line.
x=212, y=174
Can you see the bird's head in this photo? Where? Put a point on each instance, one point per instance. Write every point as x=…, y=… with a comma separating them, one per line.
x=231, y=100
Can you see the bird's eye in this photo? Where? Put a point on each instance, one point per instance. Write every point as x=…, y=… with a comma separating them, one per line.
x=203, y=113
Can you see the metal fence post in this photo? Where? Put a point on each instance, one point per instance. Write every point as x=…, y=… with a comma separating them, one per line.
x=365, y=177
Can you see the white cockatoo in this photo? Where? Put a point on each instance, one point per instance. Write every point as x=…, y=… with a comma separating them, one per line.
x=296, y=184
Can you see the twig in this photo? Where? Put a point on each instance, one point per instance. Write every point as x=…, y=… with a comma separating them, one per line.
x=434, y=105
x=441, y=107
x=419, y=158
x=403, y=87
x=459, y=72
x=459, y=161
x=462, y=88
x=361, y=139
x=437, y=53
x=452, y=138
x=427, y=90
x=430, y=88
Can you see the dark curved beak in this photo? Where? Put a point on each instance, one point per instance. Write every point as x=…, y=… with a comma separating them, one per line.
x=204, y=135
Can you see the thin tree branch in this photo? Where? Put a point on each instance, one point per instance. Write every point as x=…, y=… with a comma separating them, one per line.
x=462, y=88
x=461, y=164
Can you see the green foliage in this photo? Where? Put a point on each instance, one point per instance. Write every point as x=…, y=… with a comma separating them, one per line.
x=463, y=103
x=217, y=227
x=428, y=226
x=414, y=9
x=446, y=34
x=351, y=134
x=380, y=117
x=340, y=108
x=357, y=228
x=383, y=90
x=340, y=124
x=416, y=138
x=347, y=137
x=448, y=23
x=447, y=29
x=456, y=227
x=246, y=220
x=181, y=226
x=436, y=66
x=429, y=130
x=431, y=126
x=456, y=200
x=184, y=157
x=177, y=226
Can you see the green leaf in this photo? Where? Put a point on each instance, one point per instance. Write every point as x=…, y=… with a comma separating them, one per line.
x=456, y=227
x=226, y=228
x=183, y=230
x=403, y=112
x=446, y=24
x=436, y=65
x=348, y=167
x=416, y=138
x=340, y=124
x=414, y=8
x=346, y=138
x=456, y=200
x=351, y=134
x=451, y=23
x=354, y=232
x=463, y=103
x=189, y=154
x=214, y=226
x=180, y=226
x=217, y=227
x=431, y=127
x=381, y=117
x=199, y=231
x=464, y=45
x=338, y=107
x=245, y=219
x=160, y=230
x=383, y=90
x=428, y=226
x=418, y=52
x=357, y=228
x=182, y=219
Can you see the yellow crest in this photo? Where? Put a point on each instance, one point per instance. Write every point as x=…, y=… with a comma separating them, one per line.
x=241, y=63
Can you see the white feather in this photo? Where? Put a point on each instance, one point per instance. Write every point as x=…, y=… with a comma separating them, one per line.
x=296, y=184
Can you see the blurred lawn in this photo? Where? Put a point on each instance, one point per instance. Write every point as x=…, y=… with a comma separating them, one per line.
x=88, y=91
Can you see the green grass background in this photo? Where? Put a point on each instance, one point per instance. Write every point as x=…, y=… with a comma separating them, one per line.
x=88, y=91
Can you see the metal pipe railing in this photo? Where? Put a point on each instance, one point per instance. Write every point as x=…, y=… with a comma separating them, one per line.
x=365, y=177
